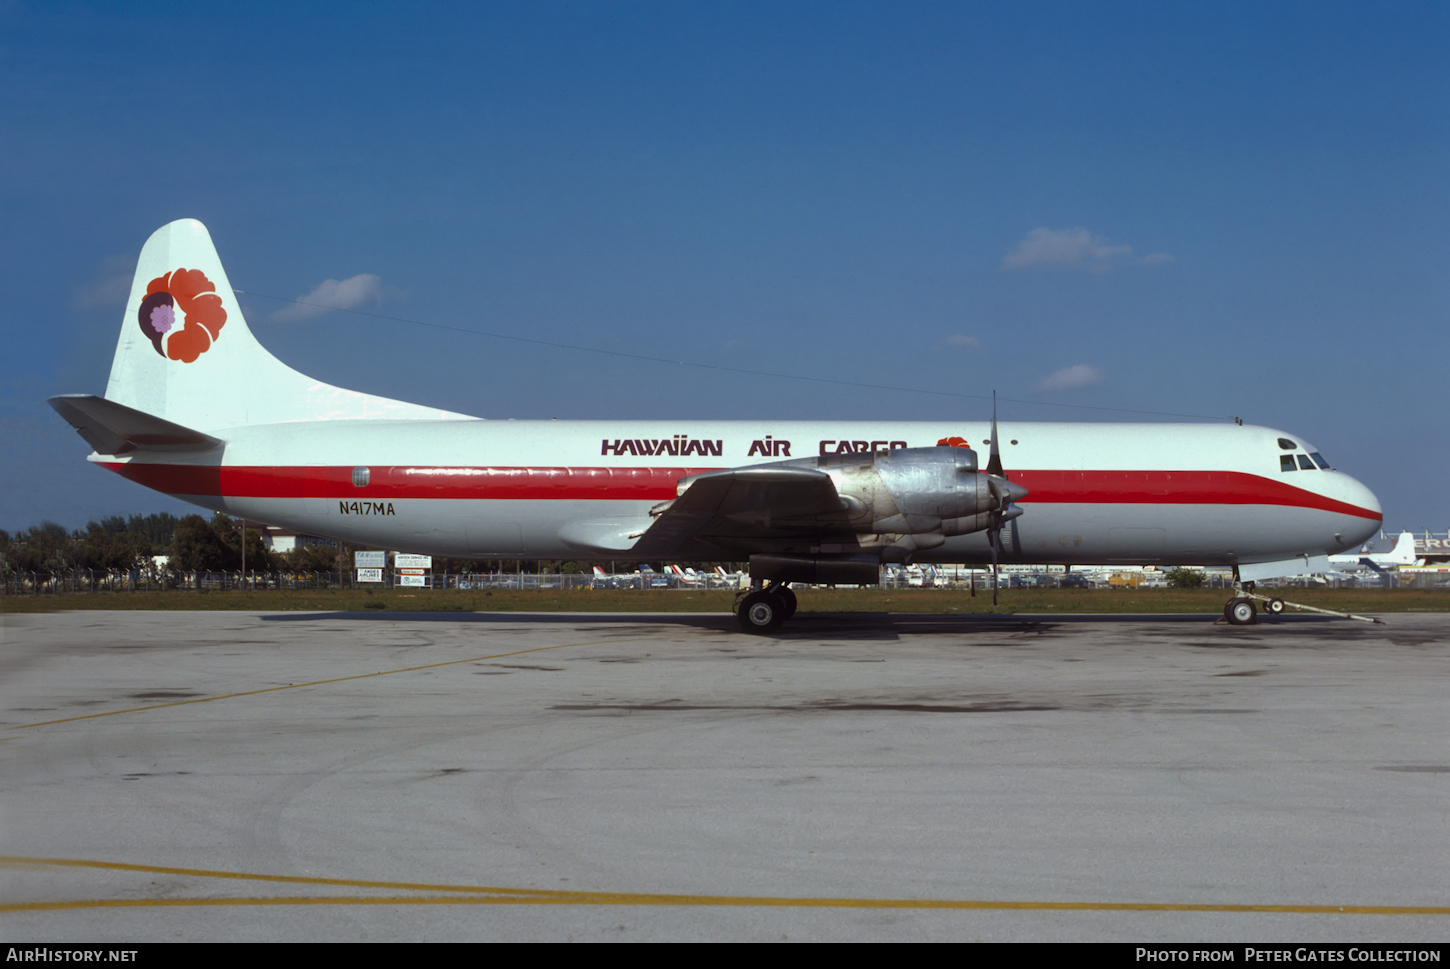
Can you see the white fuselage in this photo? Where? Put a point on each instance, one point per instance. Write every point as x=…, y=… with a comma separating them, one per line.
x=1097, y=493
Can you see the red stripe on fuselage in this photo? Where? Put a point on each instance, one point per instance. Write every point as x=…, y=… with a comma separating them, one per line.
x=659, y=484
x=640, y=484
x=1175, y=488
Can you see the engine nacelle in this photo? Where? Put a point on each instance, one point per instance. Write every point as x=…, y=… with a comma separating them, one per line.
x=816, y=569
x=920, y=492
x=892, y=505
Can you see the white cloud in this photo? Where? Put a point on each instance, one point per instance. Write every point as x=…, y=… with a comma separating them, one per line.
x=1070, y=378
x=333, y=295
x=1073, y=248
x=960, y=340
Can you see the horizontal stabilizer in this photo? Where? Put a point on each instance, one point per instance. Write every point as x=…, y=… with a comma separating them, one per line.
x=112, y=428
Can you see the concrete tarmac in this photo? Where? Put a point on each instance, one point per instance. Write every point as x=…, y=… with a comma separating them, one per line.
x=448, y=776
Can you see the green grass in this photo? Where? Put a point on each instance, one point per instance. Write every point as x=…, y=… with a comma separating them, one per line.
x=1206, y=601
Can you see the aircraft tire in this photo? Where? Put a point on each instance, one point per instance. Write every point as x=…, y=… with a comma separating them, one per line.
x=761, y=613
x=1240, y=611
x=787, y=601
x=1274, y=607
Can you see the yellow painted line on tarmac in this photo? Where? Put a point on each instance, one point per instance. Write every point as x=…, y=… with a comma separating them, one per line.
x=15, y=861
x=626, y=900
x=336, y=679
x=485, y=895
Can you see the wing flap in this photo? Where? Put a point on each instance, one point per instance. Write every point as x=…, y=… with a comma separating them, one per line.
x=740, y=503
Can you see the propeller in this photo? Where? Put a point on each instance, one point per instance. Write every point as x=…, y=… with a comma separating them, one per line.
x=1004, y=492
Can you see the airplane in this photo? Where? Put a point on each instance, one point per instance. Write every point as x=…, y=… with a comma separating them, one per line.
x=606, y=580
x=920, y=577
x=718, y=578
x=1379, y=562
x=686, y=577
x=648, y=578
x=197, y=408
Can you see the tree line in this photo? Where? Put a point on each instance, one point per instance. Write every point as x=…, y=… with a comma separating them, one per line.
x=193, y=543
x=123, y=544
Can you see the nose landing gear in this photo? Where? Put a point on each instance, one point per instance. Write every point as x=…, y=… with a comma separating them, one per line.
x=1241, y=611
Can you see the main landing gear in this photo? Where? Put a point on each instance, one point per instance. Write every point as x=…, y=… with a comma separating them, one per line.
x=763, y=609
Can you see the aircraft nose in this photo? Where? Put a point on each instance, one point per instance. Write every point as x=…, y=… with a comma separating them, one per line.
x=1362, y=529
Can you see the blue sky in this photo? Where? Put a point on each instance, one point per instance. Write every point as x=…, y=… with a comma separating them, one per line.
x=1215, y=209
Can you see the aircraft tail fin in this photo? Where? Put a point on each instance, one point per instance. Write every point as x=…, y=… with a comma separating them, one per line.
x=186, y=355
x=1404, y=551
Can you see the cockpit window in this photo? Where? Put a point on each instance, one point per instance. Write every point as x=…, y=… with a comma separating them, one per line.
x=1286, y=462
x=1305, y=464
x=1287, y=444
x=1319, y=460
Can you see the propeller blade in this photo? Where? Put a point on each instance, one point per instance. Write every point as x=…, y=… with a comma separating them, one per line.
x=1004, y=493
x=994, y=456
x=995, y=535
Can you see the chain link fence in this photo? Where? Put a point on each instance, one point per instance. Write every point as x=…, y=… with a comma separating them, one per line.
x=137, y=580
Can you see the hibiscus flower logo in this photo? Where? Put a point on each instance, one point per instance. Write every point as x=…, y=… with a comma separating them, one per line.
x=202, y=316
x=954, y=442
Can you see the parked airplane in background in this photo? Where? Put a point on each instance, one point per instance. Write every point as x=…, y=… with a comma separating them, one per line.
x=650, y=579
x=686, y=577
x=1402, y=554
x=198, y=409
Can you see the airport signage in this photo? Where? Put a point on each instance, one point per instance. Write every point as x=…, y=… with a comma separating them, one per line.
x=413, y=581
x=402, y=561
x=412, y=571
x=370, y=575
x=370, y=560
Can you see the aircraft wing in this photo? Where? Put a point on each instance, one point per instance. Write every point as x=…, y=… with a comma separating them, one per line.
x=742, y=508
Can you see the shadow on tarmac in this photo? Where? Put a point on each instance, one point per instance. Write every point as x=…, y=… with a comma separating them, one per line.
x=812, y=625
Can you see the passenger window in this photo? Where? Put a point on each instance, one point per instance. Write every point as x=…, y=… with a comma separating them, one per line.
x=360, y=477
x=1305, y=463
x=1319, y=460
x=1286, y=462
